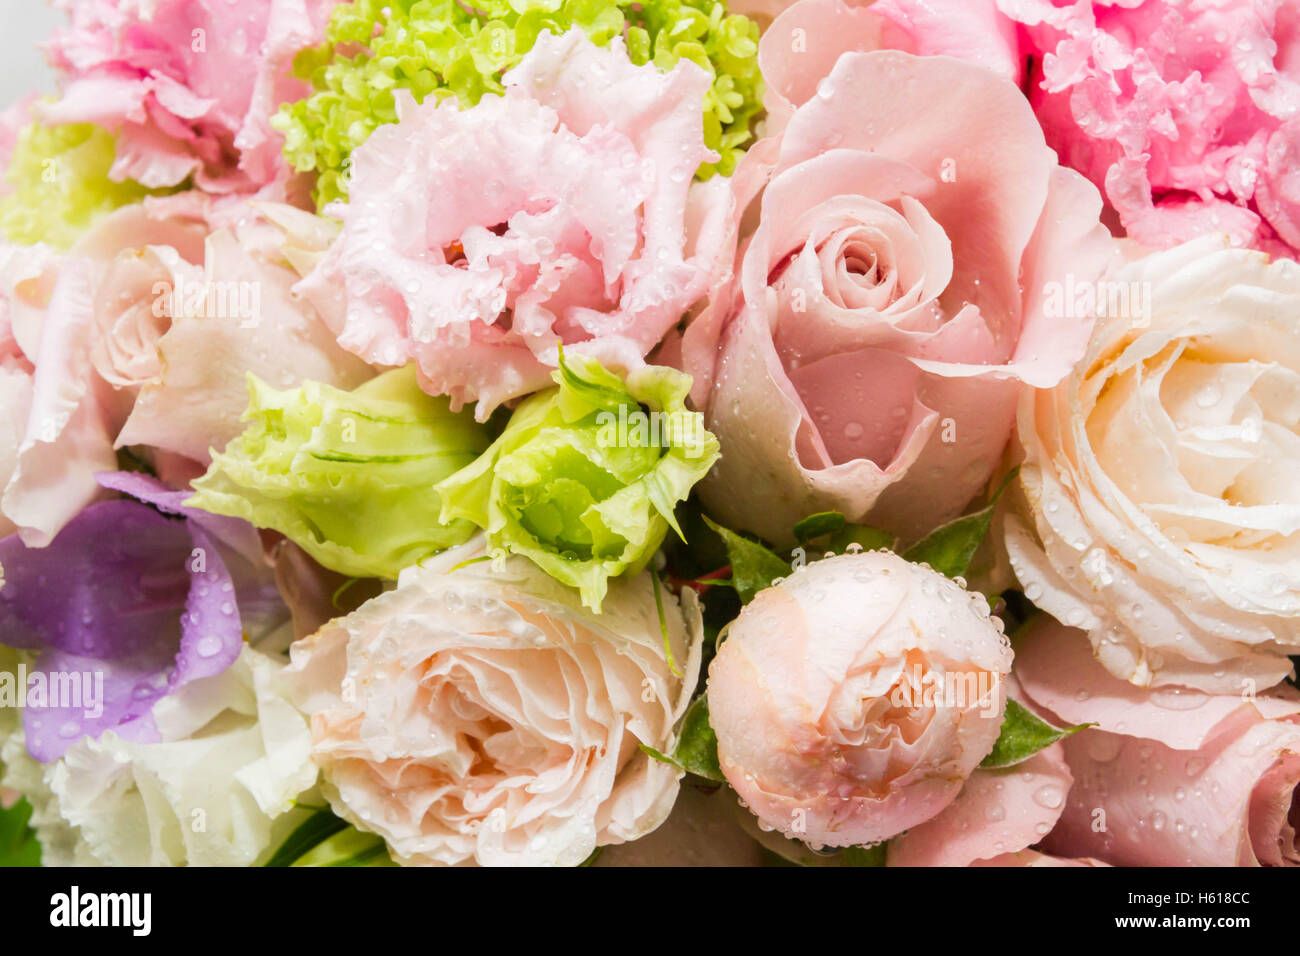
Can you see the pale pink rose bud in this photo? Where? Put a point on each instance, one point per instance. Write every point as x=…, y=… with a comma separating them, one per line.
x=852, y=700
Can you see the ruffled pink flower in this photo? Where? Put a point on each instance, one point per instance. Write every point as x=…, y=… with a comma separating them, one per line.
x=1168, y=777
x=478, y=240
x=188, y=85
x=889, y=306
x=1187, y=115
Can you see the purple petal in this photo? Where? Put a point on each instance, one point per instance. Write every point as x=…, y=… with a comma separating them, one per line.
x=239, y=536
x=123, y=591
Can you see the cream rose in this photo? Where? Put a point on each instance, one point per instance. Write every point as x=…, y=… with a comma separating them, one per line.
x=475, y=715
x=1161, y=511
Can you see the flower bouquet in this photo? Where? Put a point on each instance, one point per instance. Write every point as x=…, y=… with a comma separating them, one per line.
x=670, y=432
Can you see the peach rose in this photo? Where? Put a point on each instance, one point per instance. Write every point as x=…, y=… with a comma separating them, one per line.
x=853, y=700
x=476, y=715
x=998, y=813
x=1161, y=512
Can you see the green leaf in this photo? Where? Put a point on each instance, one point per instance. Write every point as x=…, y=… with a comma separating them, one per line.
x=814, y=526
x=18, y=843
x=865, y=855
x=869, y=539
x=949, y=548
x=309, y=834
x=697, y=746
x=1022, y=736
x=753, y=566
x=349, y=847
x=660, y=756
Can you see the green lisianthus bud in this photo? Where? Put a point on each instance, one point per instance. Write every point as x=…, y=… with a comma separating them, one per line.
x=585, y=477
x=348, y=476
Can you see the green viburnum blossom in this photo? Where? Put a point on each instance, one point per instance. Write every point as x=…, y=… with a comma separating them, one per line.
x=444, y=48
x=585, y=477
x=59, y=180
x=348, y=476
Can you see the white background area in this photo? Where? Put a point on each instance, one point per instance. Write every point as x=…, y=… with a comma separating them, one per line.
x=23, y=24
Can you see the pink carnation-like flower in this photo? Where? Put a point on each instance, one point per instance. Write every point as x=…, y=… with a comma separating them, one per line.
x=189, y=86
x=854, y=699
x=1187, y=115
x=477, y=240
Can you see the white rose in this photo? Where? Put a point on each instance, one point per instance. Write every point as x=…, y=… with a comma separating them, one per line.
x=475, y=715
x=1160, y=478
x=218, y=790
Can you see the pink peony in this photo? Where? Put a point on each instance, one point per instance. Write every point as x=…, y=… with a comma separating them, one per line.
x=854, y=699
x=478, y=240
x=188, y=85
x=890, y=303
x=1168, y=777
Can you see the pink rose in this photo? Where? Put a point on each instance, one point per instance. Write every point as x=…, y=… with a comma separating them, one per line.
x=1034, y=858
x=143, y=334
x=1169, y=777
x=1186, y=114
x=809, y=34
x=189, y=86
x=890, y=303
x=476, y=715
x=478, y=240
x=24, y=287
x=997, y=812
x=854, y=699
